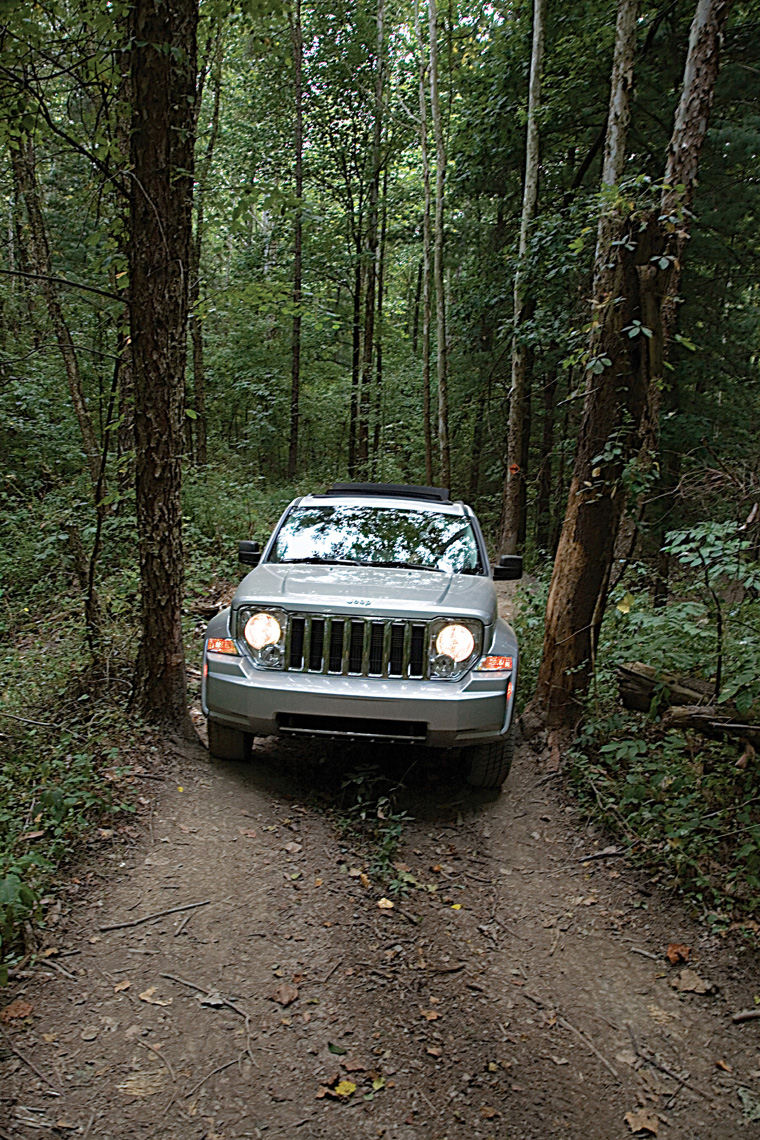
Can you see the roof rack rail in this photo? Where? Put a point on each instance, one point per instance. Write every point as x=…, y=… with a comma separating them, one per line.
x=391, y=490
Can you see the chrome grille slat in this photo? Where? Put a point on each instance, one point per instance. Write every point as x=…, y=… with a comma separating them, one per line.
x=343, y=644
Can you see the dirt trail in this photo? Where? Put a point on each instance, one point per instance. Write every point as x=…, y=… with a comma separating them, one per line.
x=517, y=989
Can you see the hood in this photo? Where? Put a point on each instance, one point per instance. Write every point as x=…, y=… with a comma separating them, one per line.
x=369, y=591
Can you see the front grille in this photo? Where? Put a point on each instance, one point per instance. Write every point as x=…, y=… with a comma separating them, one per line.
x=355, y=646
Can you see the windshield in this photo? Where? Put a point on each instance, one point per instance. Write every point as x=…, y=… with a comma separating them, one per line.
x=379, y=536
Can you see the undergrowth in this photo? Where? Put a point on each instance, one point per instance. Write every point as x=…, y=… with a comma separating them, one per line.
x=688, y=808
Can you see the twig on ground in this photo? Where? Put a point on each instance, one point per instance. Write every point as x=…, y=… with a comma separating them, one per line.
x=650, y=1058
x=329, y=974
x=589, y=1044
x=219, y=1069
x=29, y=1064
x=745, y=1015
x=149, y=917
x=645, y=954
x=608, y=853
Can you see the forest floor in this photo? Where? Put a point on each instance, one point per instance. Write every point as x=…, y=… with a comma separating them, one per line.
x=232, y=969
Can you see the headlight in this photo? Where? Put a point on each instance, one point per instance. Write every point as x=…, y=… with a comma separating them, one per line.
x=263, y=631
x=456, y=642
x=454, y=646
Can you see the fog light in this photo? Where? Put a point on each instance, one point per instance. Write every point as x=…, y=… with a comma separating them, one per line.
x=442, y=666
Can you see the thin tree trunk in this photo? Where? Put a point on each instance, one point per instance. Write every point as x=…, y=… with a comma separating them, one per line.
x=444, y=449
x=377, y=431
x=295, y=371
x=425, y=266
x=513, y=508
x=200, y=424
x=543, y=498
x=22, y=157
x=163, y=74
x=370, y=291
x=639, y=271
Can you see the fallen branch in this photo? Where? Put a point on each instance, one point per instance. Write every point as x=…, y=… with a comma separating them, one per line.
x=746, y=1015
x=149, y=917
x=30, y=1064
x=219, y=1069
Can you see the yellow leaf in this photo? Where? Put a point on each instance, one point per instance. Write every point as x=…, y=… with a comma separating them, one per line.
x=345, y=1088
x=625, y=603
x=386, y=904
x=456, y=906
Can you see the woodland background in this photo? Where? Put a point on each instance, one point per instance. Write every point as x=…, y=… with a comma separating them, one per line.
x=348, y=180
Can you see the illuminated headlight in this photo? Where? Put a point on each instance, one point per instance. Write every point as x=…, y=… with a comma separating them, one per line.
x=263, y=631
x=456, y=642
x=454, y=646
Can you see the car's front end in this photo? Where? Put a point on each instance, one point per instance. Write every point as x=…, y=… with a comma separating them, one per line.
x=317, y=643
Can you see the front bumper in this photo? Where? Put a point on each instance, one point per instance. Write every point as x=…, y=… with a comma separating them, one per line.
x=445, y=714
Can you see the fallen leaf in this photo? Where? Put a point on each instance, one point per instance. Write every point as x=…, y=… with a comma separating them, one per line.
x=642, y=1121
x=724, y=1066
x=378, y=1083
x=434, y=1050
x=385, y=904
x=17, y=1010
x=430, y=1014
x=488, y=1112
x=364, y=880
x=89, y=1033
x=344, y=1088
x=247, y=832
x=337, y=1049
x=677, y=953
x=689, y=982
x=124, y=984
x=293, y=848
x=148, y=996
x=560, y=1060
x=285, y=994
x=33, y=835
x=354, y=1066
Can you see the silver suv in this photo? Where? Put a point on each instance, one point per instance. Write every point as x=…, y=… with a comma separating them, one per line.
x=370, y=615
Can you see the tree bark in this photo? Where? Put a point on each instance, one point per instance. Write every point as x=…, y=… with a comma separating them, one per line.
x=636, y=281
x=442, y=368
x=163, y=75
x=514, y=496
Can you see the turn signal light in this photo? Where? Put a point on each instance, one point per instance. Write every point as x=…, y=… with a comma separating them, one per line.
x=503, y=663
x=221, y=645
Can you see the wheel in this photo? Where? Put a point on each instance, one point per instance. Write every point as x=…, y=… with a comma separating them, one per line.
x=228, y=743
x=488, y=764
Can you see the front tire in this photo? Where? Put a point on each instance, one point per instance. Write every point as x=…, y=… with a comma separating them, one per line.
x=488, y=765
x=228, y=743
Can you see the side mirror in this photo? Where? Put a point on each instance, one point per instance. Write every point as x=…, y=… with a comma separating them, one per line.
x=249, y=552
x=508, y=568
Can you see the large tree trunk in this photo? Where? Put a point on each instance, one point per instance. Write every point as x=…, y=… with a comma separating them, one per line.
x=513, y=506
x=163, y=74
x=636, y=280
x=444, y=449
x=296, y=32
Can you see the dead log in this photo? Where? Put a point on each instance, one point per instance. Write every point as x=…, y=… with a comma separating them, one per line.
x=640, y=684
x=713, y=721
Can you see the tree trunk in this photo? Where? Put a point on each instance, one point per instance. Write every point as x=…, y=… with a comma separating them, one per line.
x=513, y=506
x=544, y=495
x=163, y=74
x=23, y=160
x=442, y=370
x=424, y=276
x=196, y=324
x=636, y=281
x=295, y=371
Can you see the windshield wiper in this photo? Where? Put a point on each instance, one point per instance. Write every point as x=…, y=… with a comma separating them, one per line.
x=399, y=565
x=315, y=561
